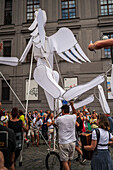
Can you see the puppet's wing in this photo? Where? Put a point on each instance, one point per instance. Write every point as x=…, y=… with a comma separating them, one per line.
x=102, y=100
x=66, y=46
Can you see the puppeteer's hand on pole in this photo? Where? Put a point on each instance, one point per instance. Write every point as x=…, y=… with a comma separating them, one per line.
x=71, y=103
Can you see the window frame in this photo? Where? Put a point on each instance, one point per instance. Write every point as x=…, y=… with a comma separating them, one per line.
x=5, y=41
x=2, y=99
x=110, y=35
x=69, y=17
x=6, y=10
x=108, y=12
x=33, y=11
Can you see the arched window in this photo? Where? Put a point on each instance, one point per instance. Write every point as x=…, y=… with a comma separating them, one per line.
x=68, y=9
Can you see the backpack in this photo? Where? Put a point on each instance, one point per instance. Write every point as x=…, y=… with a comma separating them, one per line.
x=87, y=141
x=98, y=137
x=17, y=127
x=3, y=140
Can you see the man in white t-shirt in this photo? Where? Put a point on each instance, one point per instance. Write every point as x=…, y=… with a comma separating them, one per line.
x=66, y=133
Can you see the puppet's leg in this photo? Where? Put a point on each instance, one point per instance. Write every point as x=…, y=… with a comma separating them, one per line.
x=44, y=76
x=103, y=101
x=50, y=100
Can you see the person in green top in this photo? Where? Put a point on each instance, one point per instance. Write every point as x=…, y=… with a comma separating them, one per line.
x=93, y=120
x=21, y=116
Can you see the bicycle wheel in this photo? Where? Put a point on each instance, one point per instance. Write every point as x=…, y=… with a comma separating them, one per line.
x=53, y=161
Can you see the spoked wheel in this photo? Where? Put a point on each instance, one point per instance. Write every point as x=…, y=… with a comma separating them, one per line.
x=53, y=161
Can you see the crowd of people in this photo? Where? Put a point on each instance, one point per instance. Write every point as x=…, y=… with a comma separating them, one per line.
x=25, y=128
x=21, y=127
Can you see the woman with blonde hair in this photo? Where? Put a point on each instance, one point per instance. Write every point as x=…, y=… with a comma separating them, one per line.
x=101, y=159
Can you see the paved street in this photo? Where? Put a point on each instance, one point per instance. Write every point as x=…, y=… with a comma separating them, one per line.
x=34, y=159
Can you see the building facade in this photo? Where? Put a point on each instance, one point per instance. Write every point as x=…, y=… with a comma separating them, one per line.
x=88, y=20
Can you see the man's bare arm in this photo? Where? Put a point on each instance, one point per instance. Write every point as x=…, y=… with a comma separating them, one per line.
x=73, y=109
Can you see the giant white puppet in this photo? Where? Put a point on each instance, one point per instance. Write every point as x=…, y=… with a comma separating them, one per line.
x=62, y=43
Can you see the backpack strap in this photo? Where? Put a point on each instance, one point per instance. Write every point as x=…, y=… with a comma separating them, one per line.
x=98, y=136
x=109, y=136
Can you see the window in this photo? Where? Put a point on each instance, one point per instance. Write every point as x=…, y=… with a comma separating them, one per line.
x=110, y=96
x=108, y=51
x=106, y=7
x=8, y=12
x=33, y=92
x=68, y=9
x=5, y=91
x=7, y=48
x=32, y=6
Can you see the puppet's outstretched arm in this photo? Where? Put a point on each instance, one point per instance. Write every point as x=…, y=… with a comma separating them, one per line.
x=14, y=61
x=11, y=61
x=100, y=44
